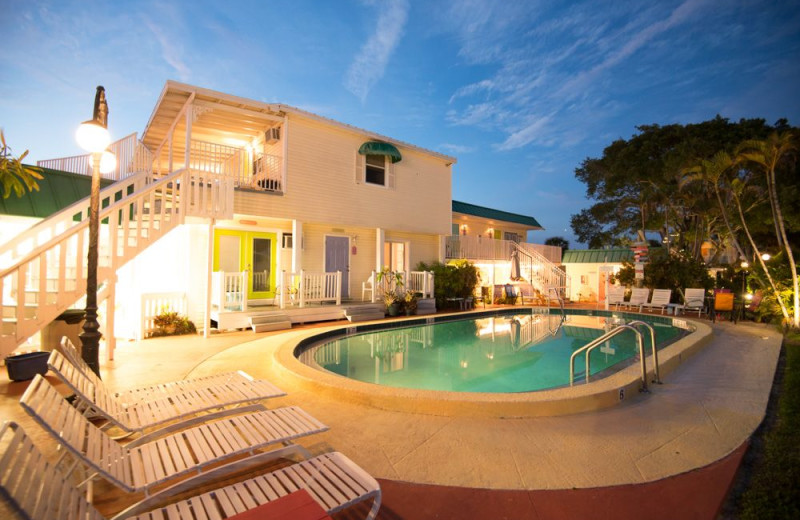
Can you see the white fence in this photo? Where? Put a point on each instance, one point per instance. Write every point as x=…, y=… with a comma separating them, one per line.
x=229, y=291
x=306, y=287
x=154, y=304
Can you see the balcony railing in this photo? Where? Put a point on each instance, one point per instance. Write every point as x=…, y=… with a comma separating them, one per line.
x=485, y=248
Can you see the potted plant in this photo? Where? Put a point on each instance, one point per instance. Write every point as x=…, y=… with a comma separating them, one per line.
x=410, y=300
x=392, y=301
x=390, y=284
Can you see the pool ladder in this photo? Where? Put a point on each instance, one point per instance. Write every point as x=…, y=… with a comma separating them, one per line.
x=634, y=326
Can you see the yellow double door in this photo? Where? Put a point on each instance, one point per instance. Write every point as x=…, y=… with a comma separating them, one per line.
x=253, y=251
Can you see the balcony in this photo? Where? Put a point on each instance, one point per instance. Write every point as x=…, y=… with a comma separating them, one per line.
x=484, y=248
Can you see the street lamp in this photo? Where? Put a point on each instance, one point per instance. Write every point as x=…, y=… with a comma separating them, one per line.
x=744, y=265
x=93, y=137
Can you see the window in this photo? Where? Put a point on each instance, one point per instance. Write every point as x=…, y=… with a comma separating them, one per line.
x=394, y=256
x=454, y=230
x=375, y=169
x=288, y=241
x=514, y=237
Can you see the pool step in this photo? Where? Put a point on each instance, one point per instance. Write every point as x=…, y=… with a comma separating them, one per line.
x=426, y=306
x=364, y=312
x=269, y=322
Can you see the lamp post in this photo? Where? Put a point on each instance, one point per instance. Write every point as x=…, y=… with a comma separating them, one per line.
x=744, y=265
x=93, y=137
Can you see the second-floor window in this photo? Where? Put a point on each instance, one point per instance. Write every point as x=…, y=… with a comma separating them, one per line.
x=375, y=169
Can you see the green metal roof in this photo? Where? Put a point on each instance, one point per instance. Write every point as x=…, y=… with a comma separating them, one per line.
x=57, y=190
x=381, y=148
x=596, y=256
x=495, y=214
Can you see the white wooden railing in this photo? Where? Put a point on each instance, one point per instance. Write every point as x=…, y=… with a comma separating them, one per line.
x=229, y=291
x=154, y=304
x=40, y=284
x=307, y=287
x=477, y=248
x=542, y=274
x=132, y=157
x=415, y=281
x=264, y=173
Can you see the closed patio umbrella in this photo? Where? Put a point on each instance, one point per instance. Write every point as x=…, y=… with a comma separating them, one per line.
x=515, y=272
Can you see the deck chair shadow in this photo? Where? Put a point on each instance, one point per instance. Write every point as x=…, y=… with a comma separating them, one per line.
x=659, y=300
x=43, y=490
x=202, y=453
x=167, y=403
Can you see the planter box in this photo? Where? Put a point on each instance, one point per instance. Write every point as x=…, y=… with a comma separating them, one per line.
x=24, y=366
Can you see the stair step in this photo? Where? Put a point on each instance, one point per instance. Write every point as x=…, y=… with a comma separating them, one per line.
x=426, y=306
x=270, y=322
x=364, y=313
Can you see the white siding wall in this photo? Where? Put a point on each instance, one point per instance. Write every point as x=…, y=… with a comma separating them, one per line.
x=322, y=188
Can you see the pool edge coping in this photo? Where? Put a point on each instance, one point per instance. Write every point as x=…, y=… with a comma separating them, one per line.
x=607, y=392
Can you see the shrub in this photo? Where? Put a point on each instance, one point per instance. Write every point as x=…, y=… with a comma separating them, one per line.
x=456, y=280
x=169, y=323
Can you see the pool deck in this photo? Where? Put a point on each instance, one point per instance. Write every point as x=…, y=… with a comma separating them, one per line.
x=671, y=453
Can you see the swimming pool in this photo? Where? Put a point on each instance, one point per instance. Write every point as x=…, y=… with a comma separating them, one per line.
x=521, y=351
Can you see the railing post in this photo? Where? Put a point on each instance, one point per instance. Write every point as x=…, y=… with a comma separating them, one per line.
x=283, y=289
x=243, y=288
x=338, y=287
x=302, y=289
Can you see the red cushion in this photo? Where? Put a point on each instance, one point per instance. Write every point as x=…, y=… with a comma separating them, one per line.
x=295, y=506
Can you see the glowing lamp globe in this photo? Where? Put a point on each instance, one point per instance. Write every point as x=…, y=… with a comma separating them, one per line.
x=92, y=137
x=108, y=161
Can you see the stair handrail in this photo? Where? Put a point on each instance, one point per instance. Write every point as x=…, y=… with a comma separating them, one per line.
x=104, y=212
x=640, y=323
x=65, y=216
x=602, y=339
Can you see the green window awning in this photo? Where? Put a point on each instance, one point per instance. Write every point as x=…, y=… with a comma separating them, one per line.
x=379, y=148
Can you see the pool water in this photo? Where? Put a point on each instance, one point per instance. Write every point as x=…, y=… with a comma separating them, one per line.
x=504, y=353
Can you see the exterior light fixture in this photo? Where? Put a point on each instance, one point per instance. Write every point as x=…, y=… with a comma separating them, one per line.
x=766, y=256
x=744, y=264
x=93, y=137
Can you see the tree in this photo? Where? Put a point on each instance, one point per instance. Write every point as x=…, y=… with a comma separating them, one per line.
x=15, y=176
x=766, y=155
x=561, y=242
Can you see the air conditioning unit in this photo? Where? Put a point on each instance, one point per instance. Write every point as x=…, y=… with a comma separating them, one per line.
x=272, y=135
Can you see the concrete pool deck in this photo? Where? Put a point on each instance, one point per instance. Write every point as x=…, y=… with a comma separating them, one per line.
x=705, y=412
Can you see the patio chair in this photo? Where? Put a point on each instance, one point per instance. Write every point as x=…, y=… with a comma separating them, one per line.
x=659, y=300
x=616, y=296
x=638, y=298
x=511, y=293
x=203, y=453
x=184, y=404
x=723, y=302
x=368, y=287
x=694, y=300
x=44, y=491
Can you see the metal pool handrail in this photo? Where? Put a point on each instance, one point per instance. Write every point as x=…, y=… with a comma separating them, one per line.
x=596, y=343
x=639, y=323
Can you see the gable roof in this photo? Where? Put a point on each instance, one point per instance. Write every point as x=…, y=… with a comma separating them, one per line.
x=596, y=256
x=254, y=116
x=57, y=190
x=495, y=214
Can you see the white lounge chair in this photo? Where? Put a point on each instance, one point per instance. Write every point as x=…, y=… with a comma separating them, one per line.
x=616, y=296
x=152, y=460
x=659, y=300
x=229, y=388
x=638, y=298
x=694, y=300
x=368, y=287
x=42, y=491
x=161, y=404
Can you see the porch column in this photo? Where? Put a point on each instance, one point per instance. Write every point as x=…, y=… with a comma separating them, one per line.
x=188, y=151
x=297, y=246
x=442, y=248
x=380, y=238
x=209, y=268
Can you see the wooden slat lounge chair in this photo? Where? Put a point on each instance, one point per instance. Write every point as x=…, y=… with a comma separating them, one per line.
x=638, y=298
x=229, y=388
x=659, y=300
x=167, y=404
x=152, y=460
x=42, y=491
x=694, y=300
x=616, y=296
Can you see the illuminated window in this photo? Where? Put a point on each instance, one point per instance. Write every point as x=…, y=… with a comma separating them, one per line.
x=394, y=256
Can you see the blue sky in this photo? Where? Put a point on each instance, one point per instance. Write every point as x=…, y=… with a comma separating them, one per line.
x=519, y=91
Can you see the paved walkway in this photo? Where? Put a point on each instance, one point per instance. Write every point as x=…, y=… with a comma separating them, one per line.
x=452, y=467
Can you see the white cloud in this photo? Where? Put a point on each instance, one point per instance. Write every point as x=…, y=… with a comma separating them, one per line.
x=171, y=51
x=370, y=63
x=456, y=148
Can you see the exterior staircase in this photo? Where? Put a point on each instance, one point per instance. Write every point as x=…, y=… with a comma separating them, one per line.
x=540, y=273
x=43, y=270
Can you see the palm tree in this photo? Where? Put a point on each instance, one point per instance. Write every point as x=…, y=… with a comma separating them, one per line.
x=14, y=176
x=766, y=155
